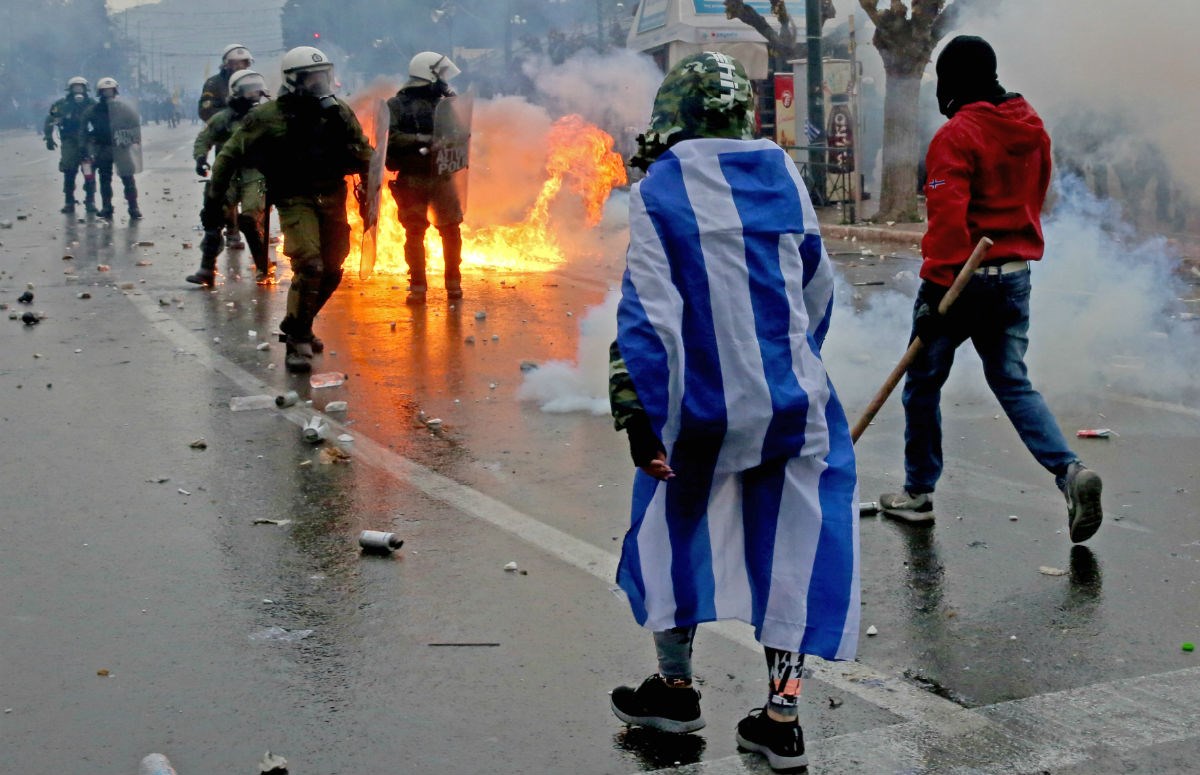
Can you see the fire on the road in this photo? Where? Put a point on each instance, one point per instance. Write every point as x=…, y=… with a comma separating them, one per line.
x=580, y=156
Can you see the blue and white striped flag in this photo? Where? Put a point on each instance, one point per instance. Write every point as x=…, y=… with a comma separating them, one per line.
x=725, y=302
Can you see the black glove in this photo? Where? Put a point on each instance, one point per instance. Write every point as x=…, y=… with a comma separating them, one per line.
x=644, y=446
x=928, y=323
x=50, y=144
x=202, y=167
x=212, y=215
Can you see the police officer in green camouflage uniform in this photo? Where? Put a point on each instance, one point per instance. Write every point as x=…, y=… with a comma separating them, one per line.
x=305, y=142
x=66, y=114
x=214, y=96
x=247, y=89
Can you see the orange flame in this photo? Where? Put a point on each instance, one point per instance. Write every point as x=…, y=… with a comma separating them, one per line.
x=578, y=153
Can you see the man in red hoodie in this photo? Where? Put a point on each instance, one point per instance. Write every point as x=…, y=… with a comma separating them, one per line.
x=988, y=169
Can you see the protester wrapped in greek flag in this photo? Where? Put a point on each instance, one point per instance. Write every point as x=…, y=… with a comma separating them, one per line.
x=745, y=506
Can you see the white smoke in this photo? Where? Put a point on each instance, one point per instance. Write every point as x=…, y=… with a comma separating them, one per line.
x=560, y=386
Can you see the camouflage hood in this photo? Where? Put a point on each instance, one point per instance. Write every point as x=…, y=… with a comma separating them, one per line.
x=704, y=95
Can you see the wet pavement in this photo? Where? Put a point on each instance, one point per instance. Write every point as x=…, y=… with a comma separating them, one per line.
x=124, y=549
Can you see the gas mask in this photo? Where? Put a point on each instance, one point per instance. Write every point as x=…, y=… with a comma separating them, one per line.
x=77, y=97
x=319, y=84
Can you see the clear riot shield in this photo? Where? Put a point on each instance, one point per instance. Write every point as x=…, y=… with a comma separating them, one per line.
x=451, y=145
x=374, y=194
x=126, y=136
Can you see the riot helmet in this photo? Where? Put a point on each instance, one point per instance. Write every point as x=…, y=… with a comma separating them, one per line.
x=106, y=88
x=248, y=85
x=77, y=87
x=431, y=67
x=307, y=71
x=236, y=57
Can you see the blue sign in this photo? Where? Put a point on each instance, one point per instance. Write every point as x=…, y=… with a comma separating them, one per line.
x=718, y=6
x=654, y=15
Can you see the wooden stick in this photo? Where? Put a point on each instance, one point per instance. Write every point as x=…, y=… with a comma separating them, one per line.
x=910, y=355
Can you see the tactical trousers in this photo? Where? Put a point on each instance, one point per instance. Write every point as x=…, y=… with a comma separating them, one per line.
x=415, y=197
x=68, y=164
x=104, y=171
x=317, y=239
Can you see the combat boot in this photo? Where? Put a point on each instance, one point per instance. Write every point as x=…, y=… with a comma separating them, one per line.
x=134, y=213
x=205, y=277
x=68, y=207
x=298, y=359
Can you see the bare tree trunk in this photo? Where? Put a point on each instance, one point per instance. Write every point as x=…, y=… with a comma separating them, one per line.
x=898, y=198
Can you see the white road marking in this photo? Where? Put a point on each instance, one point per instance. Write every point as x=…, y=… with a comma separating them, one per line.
x=891, y=693
x=1032, y=735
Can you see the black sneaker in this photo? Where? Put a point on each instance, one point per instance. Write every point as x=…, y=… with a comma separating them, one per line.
x=298, y=358
x=906, y=506
x=658, y=706
x=205, y=277
x=1082, y=491
x=135, y=214
x=782, y=742
x=68, y=208
x=106, y=213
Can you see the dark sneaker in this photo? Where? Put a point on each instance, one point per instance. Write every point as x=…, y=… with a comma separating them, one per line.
x=908, y=507
x=782, y=742
x=68, y=208
x=135, y=214
x=263, y=278
x=298, y=359
x=106, y=213
x=658, y=706
x=203, y=277
x=1082, y=491
x=415, y=297
x=454, y=293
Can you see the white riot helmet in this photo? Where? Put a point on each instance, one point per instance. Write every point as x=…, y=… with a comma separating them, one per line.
x=106, y=83
x=244, y=82
x=431, y=66
x=298, y=63
x=236, y=52
x=78, y=80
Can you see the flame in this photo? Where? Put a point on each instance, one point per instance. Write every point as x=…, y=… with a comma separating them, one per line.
x=579, y=155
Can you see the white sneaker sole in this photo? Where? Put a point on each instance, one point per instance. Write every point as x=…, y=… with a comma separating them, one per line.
x=908, y=515
x=777, y=762
x=658, y=722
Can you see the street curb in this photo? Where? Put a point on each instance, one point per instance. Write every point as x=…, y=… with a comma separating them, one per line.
x=871, y=234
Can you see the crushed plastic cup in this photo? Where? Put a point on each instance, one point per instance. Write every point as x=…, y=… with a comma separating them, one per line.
x=379, y=542
x=280, y=634
x=287, y=399
x=1096, y=433
x=315, y=430
x=336, y=406
x=249, y=403
x=156, y=764
x=327, y=379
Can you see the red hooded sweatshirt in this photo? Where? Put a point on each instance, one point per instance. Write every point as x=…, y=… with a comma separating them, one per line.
x=987, y=170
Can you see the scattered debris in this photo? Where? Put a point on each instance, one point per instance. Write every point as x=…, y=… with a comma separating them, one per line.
x=144, y=262
x=463, y=645
x=187, y=246
x=434, y=424
x=379, y=542
x=280, y=634
x=272, y=765
x=1013, y=517
x=835, y=702
x=182, y=491
x=470, y=340
x=159, y=480
x=305, y=464
x=868, y=508
x=102, y=267
x=1046, y=570
x=126, y=286
x=287, y=399
x=262, y=346
x=31, y=318
x=144, y=244
x=511, y=567
x=327, y=379
x=869, y=282
x=872, y=631
x=26, y=297
x=315, y=430
x=336, y=406
x=103, y=672
x=480, y=315
x=83, y=295
x=1096, y=433
x=345, y=438
x=528, y=366
x=495, y=337
x=1188, y=646
x=199, y=444
x=278, y=522
x=156, y=764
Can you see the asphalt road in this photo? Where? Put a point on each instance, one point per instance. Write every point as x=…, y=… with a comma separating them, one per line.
x=139, y=593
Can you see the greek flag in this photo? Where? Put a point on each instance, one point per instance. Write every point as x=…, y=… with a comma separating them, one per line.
x=726, y=300
x=812, y=131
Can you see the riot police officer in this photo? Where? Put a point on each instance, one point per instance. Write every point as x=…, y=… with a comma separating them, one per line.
x=112, y=131
x=247, y=89
x=418, y=188
x=215, y=92
x=66, y=114
x=305, y=143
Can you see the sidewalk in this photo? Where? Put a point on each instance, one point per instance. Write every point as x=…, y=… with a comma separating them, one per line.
x=906, y=234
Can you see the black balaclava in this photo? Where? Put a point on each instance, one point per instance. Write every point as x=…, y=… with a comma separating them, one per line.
x=966, y=71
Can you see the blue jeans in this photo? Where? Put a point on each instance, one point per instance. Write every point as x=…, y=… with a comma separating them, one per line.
x=993, y=312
